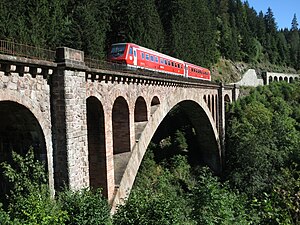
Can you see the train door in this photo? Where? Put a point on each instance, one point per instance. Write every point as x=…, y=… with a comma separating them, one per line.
x=186, y=71
x=134, y=56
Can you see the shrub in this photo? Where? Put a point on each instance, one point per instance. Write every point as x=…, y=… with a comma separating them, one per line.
x=215, y=203
x=85, y=207
x=148, y=208
x=4, y=217
x=29, y=200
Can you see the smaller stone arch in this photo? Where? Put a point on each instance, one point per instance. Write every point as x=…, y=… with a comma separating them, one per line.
x=227, y=101
x=140, y=116
x=270, y=79
x=286, y=79
x=96, y=144
x=280, y=78
x=276, y=79
x=209, y=103
x=140, y=110
x=204, y=98
x=154, y=104
x=121, y=137
x=291, y=80
x=120, y=123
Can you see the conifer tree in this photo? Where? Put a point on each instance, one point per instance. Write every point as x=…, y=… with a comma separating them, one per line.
x=137, y=21
x=294, y=41
x=86, y=29
x=224, y=27
x=271, y=41
x=294, y=23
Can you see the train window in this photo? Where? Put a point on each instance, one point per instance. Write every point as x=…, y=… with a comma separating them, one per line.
x=169, y=63
x=130, y=51
x=172, y=63
x=156, y=59
x=166, y=62
x=117, y=50
x=143, y=55
x=161, y=61
x=147, y=57
x=134, y=53
x=152, y=58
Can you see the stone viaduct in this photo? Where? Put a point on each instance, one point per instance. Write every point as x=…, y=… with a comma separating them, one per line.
x=275, y=77
x=92, y=126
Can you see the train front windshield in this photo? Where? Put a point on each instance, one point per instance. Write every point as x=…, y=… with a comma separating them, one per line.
x=117, y=50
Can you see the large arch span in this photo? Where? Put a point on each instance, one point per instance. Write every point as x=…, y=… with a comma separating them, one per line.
x=207, y=136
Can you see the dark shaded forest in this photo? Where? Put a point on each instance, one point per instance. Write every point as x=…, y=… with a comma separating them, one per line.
x=198, y=31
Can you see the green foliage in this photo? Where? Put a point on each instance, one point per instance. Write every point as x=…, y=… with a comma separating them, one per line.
x=281, y=205
x=136, y=21
x=172, y=192
x=4, y=217
x=87, y=25
x=180, y=141
x=215, y=203
x=85, y=207
x=37, y=208
x=146, y=207
x=197, y=31
x=30, y=201
x=25, y=173
x=158, y=195
x=263, y=151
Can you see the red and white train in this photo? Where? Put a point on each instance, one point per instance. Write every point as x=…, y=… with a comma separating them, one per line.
x=135, y=56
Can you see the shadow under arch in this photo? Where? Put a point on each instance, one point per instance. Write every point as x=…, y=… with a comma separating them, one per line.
x=206, y=150
x=140, y=110
x=96, y=145
x=121, y=137
x=19, y=131
x=209, y=148
x=140, y=116
x=154, y=104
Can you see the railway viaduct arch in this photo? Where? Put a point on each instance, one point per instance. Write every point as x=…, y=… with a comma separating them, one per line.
x=92, y=126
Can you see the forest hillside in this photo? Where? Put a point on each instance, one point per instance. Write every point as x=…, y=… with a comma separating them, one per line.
x=203, y=32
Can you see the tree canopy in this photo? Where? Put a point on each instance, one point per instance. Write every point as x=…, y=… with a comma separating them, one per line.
x=196, y=31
